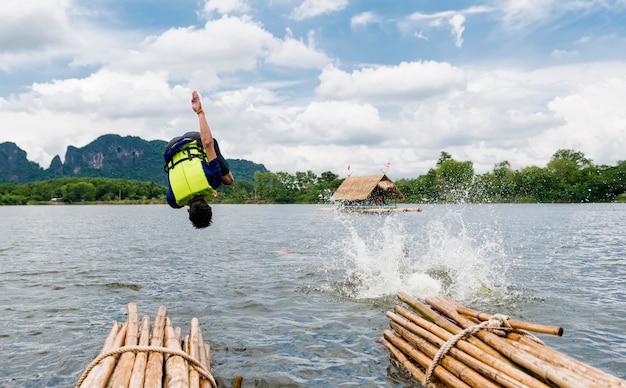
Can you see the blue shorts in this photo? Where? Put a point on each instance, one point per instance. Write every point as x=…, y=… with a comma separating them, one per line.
x=213, y=173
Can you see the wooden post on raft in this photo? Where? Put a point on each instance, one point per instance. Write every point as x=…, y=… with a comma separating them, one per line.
x=176, y=375
x=154, y=368
x=194, y=376
x=141, y=359
x=124, y=366
x=108, y=345
x=455, y=346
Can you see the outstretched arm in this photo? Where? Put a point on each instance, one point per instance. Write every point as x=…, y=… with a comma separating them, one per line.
x=205, y=131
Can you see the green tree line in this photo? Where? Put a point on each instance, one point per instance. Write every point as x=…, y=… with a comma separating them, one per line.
x=568, y=177
x=78, y=190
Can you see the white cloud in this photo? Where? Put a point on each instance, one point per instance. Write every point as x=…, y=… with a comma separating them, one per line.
x=30, y=25
x=518, y=15
x=564, y=53
x=33, y=29
x=454, y=20
x=408, y=80
x=456, y=23
x=295, y=53
x=76, y=111
x=364, y=19
x=312, y=8
x=593, y=114
x=224, y=7
x=226, y=44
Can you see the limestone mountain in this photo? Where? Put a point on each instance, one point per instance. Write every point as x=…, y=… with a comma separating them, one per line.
x=109, y=156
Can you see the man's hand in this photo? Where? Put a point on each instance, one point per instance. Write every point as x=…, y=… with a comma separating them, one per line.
x=196, y=105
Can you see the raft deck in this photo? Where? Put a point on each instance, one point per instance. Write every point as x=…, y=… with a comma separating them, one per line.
x=442, y=343
x=134, y=356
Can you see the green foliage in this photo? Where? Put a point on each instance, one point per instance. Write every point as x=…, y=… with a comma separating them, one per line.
x=453, y=180
x=568, y=177
x=239, y=192
x=243, y=170
x=301, y=187
x=81, y=190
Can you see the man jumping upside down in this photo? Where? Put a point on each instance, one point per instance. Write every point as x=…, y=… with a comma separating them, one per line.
x=195, y=168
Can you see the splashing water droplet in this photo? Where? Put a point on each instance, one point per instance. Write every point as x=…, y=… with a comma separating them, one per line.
x=380, y=257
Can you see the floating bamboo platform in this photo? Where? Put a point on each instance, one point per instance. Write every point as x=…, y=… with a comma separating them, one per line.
x=444, y=344
x=133, y=356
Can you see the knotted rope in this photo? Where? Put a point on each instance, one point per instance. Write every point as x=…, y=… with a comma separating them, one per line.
x=497, y=323
x=202, y=370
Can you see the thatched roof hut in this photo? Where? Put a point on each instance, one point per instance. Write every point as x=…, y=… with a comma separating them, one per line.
x=366, y=188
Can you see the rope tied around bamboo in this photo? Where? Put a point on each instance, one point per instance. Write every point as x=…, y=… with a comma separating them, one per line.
x=148, y=349
x=498, y=323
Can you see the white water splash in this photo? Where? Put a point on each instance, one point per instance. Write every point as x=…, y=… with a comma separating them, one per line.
x=437, y=258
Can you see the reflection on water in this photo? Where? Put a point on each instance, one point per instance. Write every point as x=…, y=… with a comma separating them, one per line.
x=291, y=296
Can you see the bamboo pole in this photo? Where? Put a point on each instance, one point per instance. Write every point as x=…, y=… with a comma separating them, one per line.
x=562, y=361
x=154, y=368
x=509, y=358
x=551, y=357
x=543, y=329
x=440, y=372
x=108, y=344
x=526, y=360
x=439, y=320
x=207, y=350
x=124, y=367
x=141, y=359
x=416, y=372
x=204, y=383
x=108, y=364
x=484, y=363
x=452, y=364
x=175, y=366
x=237, y=381
x=194, y=376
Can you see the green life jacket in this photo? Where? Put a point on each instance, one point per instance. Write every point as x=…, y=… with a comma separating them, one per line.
x=186, y=173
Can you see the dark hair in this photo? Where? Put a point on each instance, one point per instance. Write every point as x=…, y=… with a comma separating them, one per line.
x=200, y=214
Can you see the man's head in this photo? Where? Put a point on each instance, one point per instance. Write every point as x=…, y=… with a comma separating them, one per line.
x=200, y=213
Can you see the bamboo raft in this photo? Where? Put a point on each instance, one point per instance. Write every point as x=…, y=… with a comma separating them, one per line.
x=442, y=343
x=133, y=357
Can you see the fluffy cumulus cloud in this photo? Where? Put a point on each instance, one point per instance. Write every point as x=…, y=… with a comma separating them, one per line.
x=592, y=115
x=406, y=81
x=225, y=44
x=292, y=52
x=21, y=37
x=76, y=111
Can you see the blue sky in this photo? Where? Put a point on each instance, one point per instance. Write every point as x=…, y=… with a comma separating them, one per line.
x=319, y=84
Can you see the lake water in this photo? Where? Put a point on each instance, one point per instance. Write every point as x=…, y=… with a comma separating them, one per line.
x=290, y=296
